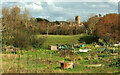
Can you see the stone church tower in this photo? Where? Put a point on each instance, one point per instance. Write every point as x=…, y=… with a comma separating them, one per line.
x=77, y=19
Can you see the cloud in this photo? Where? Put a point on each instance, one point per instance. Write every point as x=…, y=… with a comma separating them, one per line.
x=34, y=6
x=100, y=6
x=65, y=10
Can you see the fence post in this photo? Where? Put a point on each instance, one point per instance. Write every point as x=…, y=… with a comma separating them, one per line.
x=36, y=64
x=19, y=63
x=27, y=63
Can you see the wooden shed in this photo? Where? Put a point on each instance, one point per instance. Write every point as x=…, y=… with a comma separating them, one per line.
x=51, y=47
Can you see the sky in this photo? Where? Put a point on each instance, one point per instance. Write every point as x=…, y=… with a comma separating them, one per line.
x=64, y=9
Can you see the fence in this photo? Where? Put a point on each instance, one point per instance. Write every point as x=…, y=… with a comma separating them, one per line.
x=25, y=63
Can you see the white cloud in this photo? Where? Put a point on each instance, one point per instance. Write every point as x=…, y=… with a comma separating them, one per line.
x=34, y=6
x=50, y=2
x=60, y=1
x=64, y=10
x=100, y=5
x=115, y=1
x=59, y=18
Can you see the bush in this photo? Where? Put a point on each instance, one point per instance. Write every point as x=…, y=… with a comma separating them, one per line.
x=88, y=39
x=37, y=42
x=26, y=40
x=21, y=40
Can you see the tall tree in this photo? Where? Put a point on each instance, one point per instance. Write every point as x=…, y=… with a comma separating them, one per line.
x=16, y=17
x=107, y=28
x=26, y=17
x=91, y=22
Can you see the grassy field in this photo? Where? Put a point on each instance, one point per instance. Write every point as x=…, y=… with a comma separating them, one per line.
x=60, y=39
x=46, y=61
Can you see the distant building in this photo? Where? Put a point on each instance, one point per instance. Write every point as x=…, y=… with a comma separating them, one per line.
x=78, y=22
x=77, y=19
x=60, y=23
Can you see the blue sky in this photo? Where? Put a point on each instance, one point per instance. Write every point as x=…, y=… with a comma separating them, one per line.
x=64, y=10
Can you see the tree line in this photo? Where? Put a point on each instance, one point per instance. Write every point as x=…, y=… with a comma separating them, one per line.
x=106, y=27
x=19, y=29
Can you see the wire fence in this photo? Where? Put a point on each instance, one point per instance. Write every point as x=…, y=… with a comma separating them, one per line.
x=27, y=63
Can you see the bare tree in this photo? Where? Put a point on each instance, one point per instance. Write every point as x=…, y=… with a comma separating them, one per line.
x=26, y=17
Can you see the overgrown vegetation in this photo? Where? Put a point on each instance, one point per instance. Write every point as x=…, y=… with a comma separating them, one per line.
x=24, y=32
x=90, y=62
x=17, y=29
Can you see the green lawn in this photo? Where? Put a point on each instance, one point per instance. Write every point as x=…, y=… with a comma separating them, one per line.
x=60, y=39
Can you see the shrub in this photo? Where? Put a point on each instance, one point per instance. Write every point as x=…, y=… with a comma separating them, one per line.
x=88, y=39
x=37, y=42
x=21, y=40
x=26, y=40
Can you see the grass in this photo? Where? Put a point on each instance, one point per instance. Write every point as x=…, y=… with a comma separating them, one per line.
x=60, y=39
x=43, y=65
x=29, y=62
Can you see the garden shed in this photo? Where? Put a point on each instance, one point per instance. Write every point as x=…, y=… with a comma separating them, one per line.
x=51, y=47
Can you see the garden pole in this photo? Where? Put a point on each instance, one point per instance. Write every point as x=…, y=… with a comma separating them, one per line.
x=36, y=64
